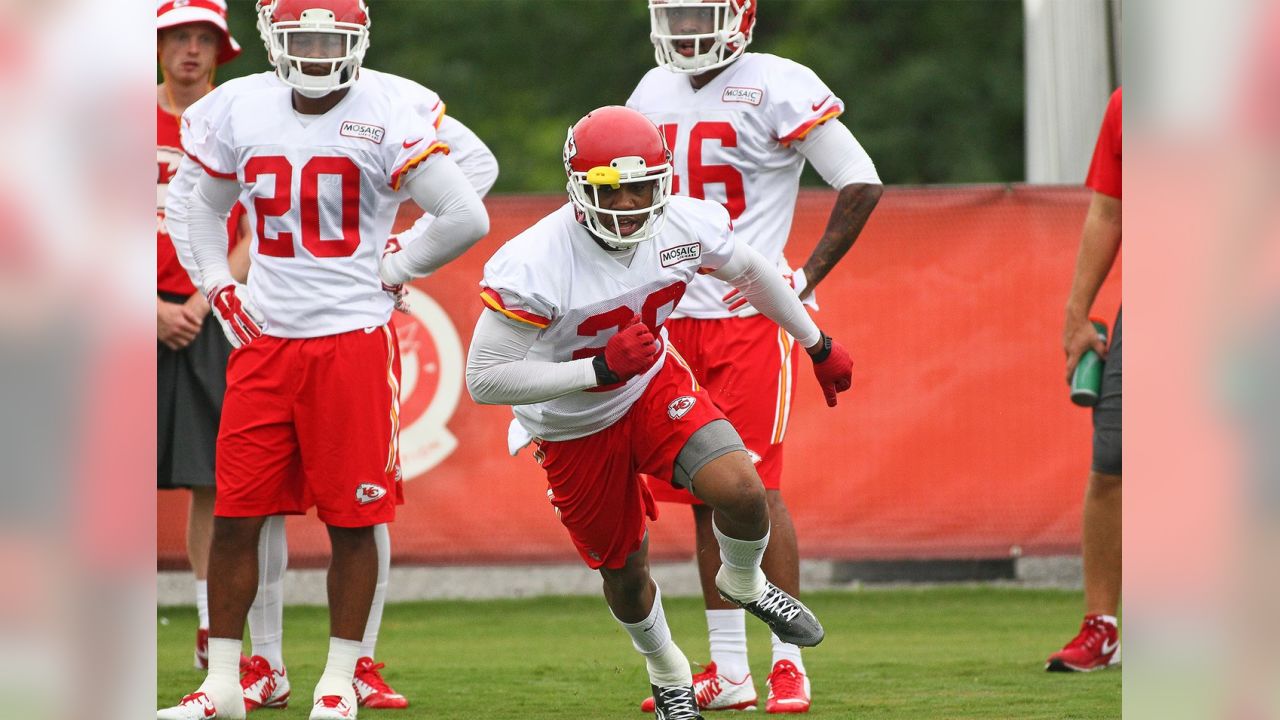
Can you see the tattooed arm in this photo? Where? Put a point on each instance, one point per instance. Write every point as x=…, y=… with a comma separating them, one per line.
x=842, y=162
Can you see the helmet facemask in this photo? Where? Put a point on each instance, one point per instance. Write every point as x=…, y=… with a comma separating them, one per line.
x=715, y=29
x=317, y=39
x=265, y=8
x=584, y=192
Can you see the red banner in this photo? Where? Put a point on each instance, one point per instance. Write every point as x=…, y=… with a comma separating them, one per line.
x=957, y=440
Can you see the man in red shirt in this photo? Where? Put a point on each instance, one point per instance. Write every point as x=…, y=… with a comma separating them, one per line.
x=192, y=352
x=1098, y=645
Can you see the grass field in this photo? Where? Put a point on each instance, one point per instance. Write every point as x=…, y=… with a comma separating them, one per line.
x=971, y=652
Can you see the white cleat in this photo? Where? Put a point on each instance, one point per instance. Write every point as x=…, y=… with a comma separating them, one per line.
x=333, y=707
x=199, y=706
x=263, y=686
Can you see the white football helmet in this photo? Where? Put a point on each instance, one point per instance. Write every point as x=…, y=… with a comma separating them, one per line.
x=711, y=33
x=333, y=33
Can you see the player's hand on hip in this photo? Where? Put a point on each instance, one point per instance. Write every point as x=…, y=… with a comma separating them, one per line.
x=833, y=366
x=736, y=301
x=631, y=351
x=388, y=275
x=174, y=327
x=241, y=321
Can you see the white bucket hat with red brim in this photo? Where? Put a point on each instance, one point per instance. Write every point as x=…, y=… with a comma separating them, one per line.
x=171, y=13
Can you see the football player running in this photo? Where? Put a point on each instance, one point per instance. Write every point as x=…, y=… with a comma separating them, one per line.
x=264, y=678
x=324, y=160
x=741, y=126
x=573, y=337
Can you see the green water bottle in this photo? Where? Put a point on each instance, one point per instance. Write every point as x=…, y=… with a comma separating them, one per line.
x=1086, y=381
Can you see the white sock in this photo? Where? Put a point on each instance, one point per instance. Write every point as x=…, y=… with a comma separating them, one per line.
x=266, y=615
x=381, y=538
x=222, y=684
x=786, y=651
x=651, y=637
x=740, y=574
x=669, y=667
x=1108, y=619
x=202, y=603
x=224, y=659
x=339, y=671
x=727, y=631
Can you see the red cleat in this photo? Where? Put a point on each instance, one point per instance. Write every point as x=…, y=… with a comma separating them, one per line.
x=788, y=689
x=1095, y=648
x=374, y=692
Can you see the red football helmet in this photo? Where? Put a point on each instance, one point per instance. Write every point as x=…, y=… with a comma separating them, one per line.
x=714, y=33
x=316, y=32
x=613, y=146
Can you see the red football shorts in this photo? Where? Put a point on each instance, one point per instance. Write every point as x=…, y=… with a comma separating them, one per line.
x=748, y=367
x=312, y=421
x=594, y=481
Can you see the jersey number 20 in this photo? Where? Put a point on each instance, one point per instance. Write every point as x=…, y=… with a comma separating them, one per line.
x=281, y=203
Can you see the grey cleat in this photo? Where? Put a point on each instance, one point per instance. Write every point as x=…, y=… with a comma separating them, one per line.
x=675, y=703
x=786, y=616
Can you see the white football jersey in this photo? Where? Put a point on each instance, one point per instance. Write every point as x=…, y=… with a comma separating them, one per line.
x=555, y=277
x=321, y=191
x=732, y=143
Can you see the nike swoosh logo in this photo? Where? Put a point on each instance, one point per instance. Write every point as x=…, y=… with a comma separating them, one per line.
x=411, y=143
x=1108, y=648
x=820, y=103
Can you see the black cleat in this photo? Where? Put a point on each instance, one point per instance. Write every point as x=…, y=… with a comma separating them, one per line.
x=675, y=703
x=786, y=616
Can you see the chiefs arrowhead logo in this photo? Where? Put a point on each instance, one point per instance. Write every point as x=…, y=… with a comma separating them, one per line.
x=431, y=379
x=368, y=492
x=680, y=406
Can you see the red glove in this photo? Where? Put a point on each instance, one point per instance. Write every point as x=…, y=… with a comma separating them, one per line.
x=241, y=321
x=834, y=368
x=629, y=352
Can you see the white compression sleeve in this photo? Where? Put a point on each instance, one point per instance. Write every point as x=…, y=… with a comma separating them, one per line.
x=499, y=374
x=382, y=539
x=473, y=158
x=764, y=288
x=207, y=210
x=837, y=156
x=441, y=189
x=266, y=615
x=471, y=155
x=177, y=196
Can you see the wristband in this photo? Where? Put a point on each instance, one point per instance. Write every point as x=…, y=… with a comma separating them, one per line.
x=604, y=376
x=823, y=353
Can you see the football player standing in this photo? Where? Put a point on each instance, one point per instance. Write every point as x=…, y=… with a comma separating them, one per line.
x=264, y=678
x=191, y=361
x=310, y=417
x=741, y=127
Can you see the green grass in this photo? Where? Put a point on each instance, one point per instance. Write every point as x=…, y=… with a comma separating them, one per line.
x=970, y=652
